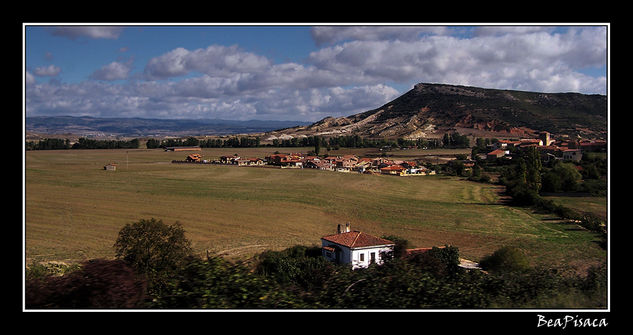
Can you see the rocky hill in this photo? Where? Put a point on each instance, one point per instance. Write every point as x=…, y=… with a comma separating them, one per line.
x=430, y=110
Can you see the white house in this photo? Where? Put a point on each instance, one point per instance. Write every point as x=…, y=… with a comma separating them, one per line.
x=354, y=247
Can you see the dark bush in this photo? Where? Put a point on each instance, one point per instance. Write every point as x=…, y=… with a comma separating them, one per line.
x=506, y=259
x=98, y=284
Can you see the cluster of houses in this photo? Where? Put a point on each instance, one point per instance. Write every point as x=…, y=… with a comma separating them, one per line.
x=347, y=163
x=550, y=149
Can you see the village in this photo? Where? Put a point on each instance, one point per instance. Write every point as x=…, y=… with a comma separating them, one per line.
x=346, y=163
x=549, y=149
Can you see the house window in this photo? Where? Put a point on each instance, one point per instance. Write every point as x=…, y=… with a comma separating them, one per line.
x=362, y=257
x=372, y=257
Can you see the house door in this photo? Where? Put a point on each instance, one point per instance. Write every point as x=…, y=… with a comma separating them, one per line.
x=372, y=257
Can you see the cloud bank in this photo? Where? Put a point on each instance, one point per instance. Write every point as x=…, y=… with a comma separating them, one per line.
x=354, y=69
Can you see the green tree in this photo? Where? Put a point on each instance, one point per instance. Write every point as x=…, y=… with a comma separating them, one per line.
x=152, y=143
x=533, y=169
x=561, y=178
x=505, y=259
x=521, y=172
x=191, y=142
x=153, y=248
x=317, y=145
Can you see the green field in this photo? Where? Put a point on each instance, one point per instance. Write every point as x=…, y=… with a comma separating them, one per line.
x=74, y=209
x=586, y=204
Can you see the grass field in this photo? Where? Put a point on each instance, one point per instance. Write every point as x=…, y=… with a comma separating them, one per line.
x=74, y=209
x=594, y=205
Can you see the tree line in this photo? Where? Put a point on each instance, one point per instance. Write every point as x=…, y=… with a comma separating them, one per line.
x=155, y=268
x=453, y=140
x=82, y=143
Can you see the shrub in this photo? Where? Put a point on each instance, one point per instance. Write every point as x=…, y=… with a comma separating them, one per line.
x=98, y=284
x=504, y=260
x=298, y=266
x=216, y=283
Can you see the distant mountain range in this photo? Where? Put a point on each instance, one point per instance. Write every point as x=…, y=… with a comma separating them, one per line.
x=431, y=110
x=139, y=127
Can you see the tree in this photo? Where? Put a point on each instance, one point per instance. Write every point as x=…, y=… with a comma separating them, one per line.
x=562, y=177
x=153, y=248
x=191, y=142
x=152, y=143
x=317, y=145
x=521, y=172
x=533, y=171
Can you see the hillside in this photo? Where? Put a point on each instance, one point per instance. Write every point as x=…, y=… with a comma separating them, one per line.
x=430, y=110
x=148, y=127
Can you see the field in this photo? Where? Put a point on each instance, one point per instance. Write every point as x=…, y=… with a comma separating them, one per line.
x=74, y=209
x=588, y=204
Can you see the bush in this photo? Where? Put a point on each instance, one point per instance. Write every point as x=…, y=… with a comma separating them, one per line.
x=506, y=259
x=523, y=196
x=98, y=284
x=296, y=267
x=216, y=283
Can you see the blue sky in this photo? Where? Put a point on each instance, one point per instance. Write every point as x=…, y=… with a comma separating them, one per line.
x=80, y=56
x=287, y=72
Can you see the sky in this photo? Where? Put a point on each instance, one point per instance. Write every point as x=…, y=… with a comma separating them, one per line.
x=292, y=72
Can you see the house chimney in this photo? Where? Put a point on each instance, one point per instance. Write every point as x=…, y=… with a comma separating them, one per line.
x=338, y=229
x=347, y=227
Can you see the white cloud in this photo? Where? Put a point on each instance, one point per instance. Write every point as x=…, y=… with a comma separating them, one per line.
x=496, y=30
x=29, y=78
x=488, y=61
x=215, y=60
x=47, y=71
x=348, y=76
x=95, y=32
x=333, y=34
x=112, y=71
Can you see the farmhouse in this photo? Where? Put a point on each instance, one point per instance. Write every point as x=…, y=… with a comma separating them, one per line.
x=496, y=154
x=354, y=247
x=110, y=167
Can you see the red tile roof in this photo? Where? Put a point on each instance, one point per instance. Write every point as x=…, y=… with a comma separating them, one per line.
x=356, y=239
x=497, y=152
x=394, y=168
